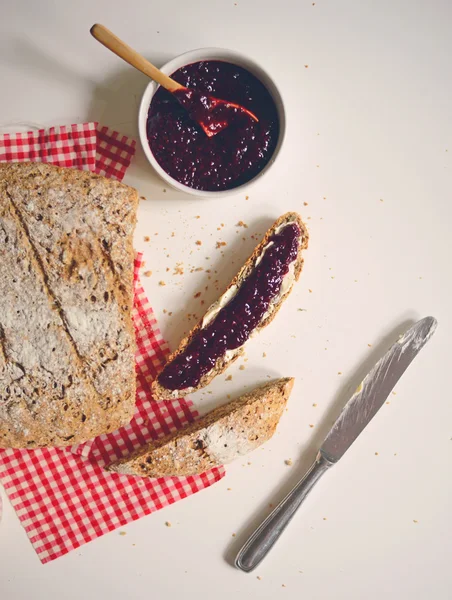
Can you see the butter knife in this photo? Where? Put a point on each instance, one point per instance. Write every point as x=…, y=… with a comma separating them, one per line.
x=357, y=413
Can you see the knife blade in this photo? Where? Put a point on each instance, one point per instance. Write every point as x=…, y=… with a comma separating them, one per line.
x=372, y=392
x=355, y=416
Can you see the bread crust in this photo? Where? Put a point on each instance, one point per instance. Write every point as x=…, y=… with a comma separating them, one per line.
x=67, y=343
x=159, y=392
x=219, y=437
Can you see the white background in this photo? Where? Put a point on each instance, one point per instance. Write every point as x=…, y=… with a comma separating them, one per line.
x=369, y=148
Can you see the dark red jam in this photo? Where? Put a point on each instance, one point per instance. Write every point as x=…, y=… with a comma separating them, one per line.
x=229, y=158
x=237, y=320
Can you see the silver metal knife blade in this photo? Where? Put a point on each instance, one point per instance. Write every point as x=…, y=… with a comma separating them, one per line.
x=357, y=413
x=375, y=388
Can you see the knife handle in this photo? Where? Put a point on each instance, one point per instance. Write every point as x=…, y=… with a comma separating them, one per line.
x=265, y=536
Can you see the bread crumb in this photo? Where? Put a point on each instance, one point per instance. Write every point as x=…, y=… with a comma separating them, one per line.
x=370, y=345
x=264, y=354
x=167, y=523
x=414, y=521
x=339, y=372
x=173, y=234
x=228, y=378
x=302, y=310
x=288, y=462
x=220, y=245
x=164, y=311
x=147, y=238
x=179, y=269
x=167, y=269
x=234, y=534
x=142, y=197
x=394, y=393
x=310, y=291
x=123, y=533
x=229, y=489
x=387, y=402
x=147, y=273
x=376, y=453
x=311, y=426
x=242, y=224
x=283, y=585
x=324, y=518
x=197, y=217
x=306, y=66
x=259, y=577
x=162, y=283
x=242, y=368
x=248, y=463
x=305, y=203
x=314, y=405
x=381, y=200
x=197, y=295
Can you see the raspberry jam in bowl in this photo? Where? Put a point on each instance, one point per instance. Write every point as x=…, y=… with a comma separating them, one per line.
x=180, y=151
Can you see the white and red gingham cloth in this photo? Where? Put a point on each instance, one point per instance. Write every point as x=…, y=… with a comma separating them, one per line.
x=62, y=496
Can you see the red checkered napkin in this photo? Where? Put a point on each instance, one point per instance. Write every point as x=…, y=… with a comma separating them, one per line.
x=62, y=496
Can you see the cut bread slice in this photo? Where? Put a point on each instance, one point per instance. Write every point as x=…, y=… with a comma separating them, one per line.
x=218, y=438
x=67, y=343
x=160, y=388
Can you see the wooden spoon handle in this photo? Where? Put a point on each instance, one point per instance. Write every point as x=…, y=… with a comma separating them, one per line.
x=113, y=43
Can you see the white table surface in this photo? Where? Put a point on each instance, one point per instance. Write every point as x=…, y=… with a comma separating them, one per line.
x=369, y=149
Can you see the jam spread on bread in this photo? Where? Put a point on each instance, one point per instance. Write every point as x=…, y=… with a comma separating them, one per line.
x=231, y=157
x=237, y=320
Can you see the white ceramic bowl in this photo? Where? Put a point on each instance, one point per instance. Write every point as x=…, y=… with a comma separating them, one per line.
x=210, y=54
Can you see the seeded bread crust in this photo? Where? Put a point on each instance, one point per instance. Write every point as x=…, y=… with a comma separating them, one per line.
x=160, y=392
x=67, y=343
x=217, y=438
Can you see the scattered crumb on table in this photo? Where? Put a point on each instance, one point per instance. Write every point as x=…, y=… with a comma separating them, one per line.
x=162, y=283
x=259, y=577
x=147, y=273
x=242, y=224
x=414, y=521
x=197, y=295
x=147, y=238
x=339, y=372
x=123, y=533
x=314, y=405
x=264, y=354
x=376, y=453
x=288, y=462
x=220, y=245
x=311, y=425
x=305, y=203
x=228, y=378
x=167, y=523
x=242, y=368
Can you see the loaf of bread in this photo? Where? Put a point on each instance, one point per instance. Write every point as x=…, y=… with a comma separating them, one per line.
x=67, y=343
x=187, y=357
x=216, y=439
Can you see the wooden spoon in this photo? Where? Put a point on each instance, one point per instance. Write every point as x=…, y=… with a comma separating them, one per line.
x=213, y=114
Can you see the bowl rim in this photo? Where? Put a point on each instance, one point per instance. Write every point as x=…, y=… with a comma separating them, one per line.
x=211, y=53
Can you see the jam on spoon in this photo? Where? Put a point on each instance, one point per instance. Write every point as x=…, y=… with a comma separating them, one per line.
x=213, y=114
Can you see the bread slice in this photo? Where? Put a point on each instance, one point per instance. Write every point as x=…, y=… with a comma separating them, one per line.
x=217, y=438
x=67, y=344
x=160, y=392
